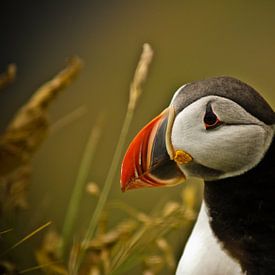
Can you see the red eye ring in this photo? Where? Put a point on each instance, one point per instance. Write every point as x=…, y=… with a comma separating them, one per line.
x=213, y=125
x=210, y=119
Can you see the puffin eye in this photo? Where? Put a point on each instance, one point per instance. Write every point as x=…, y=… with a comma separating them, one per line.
x=210, y=119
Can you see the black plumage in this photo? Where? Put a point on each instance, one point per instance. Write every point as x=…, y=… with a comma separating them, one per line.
x=242, y=215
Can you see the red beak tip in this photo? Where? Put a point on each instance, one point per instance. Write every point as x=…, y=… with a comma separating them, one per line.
x=123, y=186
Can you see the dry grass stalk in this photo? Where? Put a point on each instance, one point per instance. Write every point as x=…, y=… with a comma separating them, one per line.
x=30, y=125
x=140, y=75
x=153, y=264
x=7, y=77
x=73, y=258
x=68, y=119
x=47, y=92
x=47, y=255
x=98, y=251
x=109, y=239
x=132, y=251
x=5, y=231
x=43, y=267
x=34, y=232
x=135, y=241
x=168, y=252
x=14, y=189
x=135, y=91
x=24, y=134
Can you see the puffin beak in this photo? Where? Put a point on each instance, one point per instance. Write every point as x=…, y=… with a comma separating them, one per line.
x=150, y=160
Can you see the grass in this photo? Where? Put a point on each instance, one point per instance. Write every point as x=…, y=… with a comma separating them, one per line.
x=81, y=180
x=135, y=92
x=24, y=239
x=140, y=239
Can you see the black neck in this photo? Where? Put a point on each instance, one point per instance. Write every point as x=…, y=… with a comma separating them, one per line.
x=242, y=211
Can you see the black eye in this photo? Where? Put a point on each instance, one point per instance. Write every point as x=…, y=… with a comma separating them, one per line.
x=210, y=119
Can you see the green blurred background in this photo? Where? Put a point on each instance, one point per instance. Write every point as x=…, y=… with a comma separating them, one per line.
x=191, y=39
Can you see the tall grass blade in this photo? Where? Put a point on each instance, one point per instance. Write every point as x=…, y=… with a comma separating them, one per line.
x=135, y=92
x=37, y=267
x=27, y=237
x=68, y=119
x=79, y=186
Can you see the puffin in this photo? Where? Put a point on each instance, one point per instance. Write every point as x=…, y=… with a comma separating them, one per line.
x=219, y=130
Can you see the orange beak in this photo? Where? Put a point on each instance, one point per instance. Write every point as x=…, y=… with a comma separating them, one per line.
x=149, y=161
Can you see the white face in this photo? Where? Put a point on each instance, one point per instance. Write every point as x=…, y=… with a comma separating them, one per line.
x=235, y=146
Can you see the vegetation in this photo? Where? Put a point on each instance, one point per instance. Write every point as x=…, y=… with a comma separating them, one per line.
x=141, y=240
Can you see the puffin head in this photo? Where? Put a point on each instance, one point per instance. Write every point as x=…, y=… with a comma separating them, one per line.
x=212, y=129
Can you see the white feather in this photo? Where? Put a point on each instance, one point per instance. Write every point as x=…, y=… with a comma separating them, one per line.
x=203, y=254
x=232, y=149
